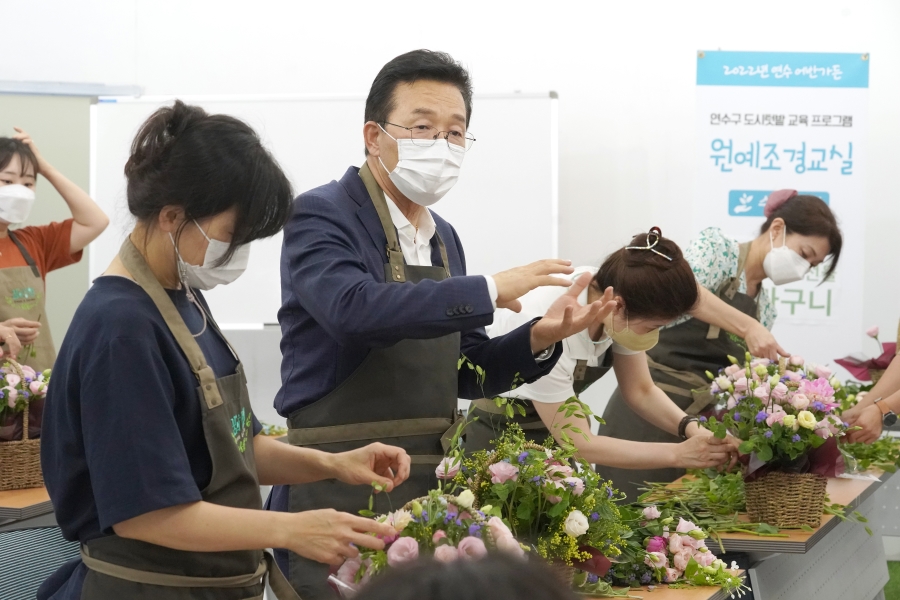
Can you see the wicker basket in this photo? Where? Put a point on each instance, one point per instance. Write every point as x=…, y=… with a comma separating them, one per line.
x=565, y=573
x=786, y=499
x=20, y=460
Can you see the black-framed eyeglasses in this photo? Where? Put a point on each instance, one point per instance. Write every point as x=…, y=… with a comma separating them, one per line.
x=425, y=135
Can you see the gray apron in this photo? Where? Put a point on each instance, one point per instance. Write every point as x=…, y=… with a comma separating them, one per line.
x=487, y=421
x=678, y=365
x=404, y=395
x=23, y=292
x=132, y=569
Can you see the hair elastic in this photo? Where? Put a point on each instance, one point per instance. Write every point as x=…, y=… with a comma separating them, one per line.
x=776, y=199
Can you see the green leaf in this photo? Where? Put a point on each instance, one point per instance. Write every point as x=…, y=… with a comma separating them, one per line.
x=509, y=411
x=558, y=508
x=807, y=528
x=766, y=529
x=746, y=447
x=366, y=513
x=764, y=453
x=868, y=530
x=523, y=512
x=501, y=491
x=721, y=432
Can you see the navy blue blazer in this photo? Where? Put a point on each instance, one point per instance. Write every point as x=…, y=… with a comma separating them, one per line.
x=336, y=305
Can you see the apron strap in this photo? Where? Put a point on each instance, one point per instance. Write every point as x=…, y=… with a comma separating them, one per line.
x=277, y=581
x=28, y=260
x=360, y=432
x=699, y=390
x=580, y=370
x=141, y=273
x=730, y=287
x=394, y=253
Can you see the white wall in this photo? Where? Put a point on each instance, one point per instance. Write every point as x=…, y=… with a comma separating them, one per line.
x=624, y=72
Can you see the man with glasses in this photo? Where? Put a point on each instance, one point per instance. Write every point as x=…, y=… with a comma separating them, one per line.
x=382, y=329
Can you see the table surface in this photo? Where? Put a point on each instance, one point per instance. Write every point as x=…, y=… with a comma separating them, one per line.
x=662, y=592
x=23, y=498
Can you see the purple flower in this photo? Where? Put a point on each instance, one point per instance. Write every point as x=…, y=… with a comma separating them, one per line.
x=737, y=416
x=818, y=405
x=845, y=423
x=768, y=434
x=796, y=438
x=459, y=523
x=591, y=578
x=703, y=419
x=609, y=492
x=595, y=516
x=761, y=416
x=475, y=529
x=522, y=457
x=537, y=479
x=424, y=515
x=645, y=578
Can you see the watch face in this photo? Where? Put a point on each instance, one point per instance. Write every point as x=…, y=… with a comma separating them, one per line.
x=890, y=419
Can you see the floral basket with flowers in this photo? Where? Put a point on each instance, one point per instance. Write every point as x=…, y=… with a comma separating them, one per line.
x=785, y=415
x=439, y=525
x=666, y=548
x=567, y=515
x=20, y=458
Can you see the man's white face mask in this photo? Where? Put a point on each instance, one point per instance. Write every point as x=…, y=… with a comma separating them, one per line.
x=424, y=174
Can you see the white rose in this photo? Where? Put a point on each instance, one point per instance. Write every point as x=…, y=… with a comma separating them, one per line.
x=576, y=524
x=466, y=499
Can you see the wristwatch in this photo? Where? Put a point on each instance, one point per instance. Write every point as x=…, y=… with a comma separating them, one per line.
x=888, y=417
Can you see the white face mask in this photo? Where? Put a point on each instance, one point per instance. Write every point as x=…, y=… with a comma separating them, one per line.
x=425, y=173
x=15, y=203
x=783, y=265
x=208, y=275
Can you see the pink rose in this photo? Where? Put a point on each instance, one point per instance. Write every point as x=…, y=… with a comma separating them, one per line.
x=799, y=401
x=672, y=575
x=438, y=536
x=704, y=559
x=779, y=392
x=11, y=402
x=794, y=376
x=872, y=332
x=452, y=509
x=11, y=396
x=676, y=544
x=404, y=550
x=13, y=380
x=777, y=416
x=465, y=515
x=731, y=370
x=741, y=385
x=448, y=468
x=656, y=560
x=685, y=526
x=551, y=487
x=36, y=387
x=471, y=547
x=509, y=545
x=762, y=393
x=657, y=544
x=28, y=372
x=823, y=430
x=651, y=512
x=796, y=361
x=446, y=553
x=732, y=402
x=756, y=362
x=680, y=560
x=558, y=471
x=347, y=572
x=502, y=472
x=498, y=528
x=576, y=485
x=823, y=372
x=692, y=543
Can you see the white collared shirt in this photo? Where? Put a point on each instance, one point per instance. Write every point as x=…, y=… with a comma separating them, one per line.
x=416, y=244
x=558, y=384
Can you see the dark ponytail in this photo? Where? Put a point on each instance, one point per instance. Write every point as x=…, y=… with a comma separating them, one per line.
x=10, y=147
x=651, y=285
x=809, y=215
x=206, y=164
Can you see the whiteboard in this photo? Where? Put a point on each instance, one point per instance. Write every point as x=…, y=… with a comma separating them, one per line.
x=504, y=207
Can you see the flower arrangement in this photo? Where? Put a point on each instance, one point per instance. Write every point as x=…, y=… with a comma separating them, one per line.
x=666, y=548
x=446, y=527
x=568, y=515
x=870, y=369
x=780, y=411
x=19, y=386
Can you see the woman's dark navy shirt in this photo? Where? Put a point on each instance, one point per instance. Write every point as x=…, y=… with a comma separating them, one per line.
x=122, y=433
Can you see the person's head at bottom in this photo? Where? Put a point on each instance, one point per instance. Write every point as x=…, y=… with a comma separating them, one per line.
x=497, y=577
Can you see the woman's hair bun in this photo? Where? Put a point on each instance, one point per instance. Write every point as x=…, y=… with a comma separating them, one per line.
x=158, y=134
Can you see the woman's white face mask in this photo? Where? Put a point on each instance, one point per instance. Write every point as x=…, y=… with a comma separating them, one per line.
x=15, y=203
x=209, y=274
x=783, y=265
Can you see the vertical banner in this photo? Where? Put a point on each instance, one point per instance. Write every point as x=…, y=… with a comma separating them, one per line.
x=775, y=120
